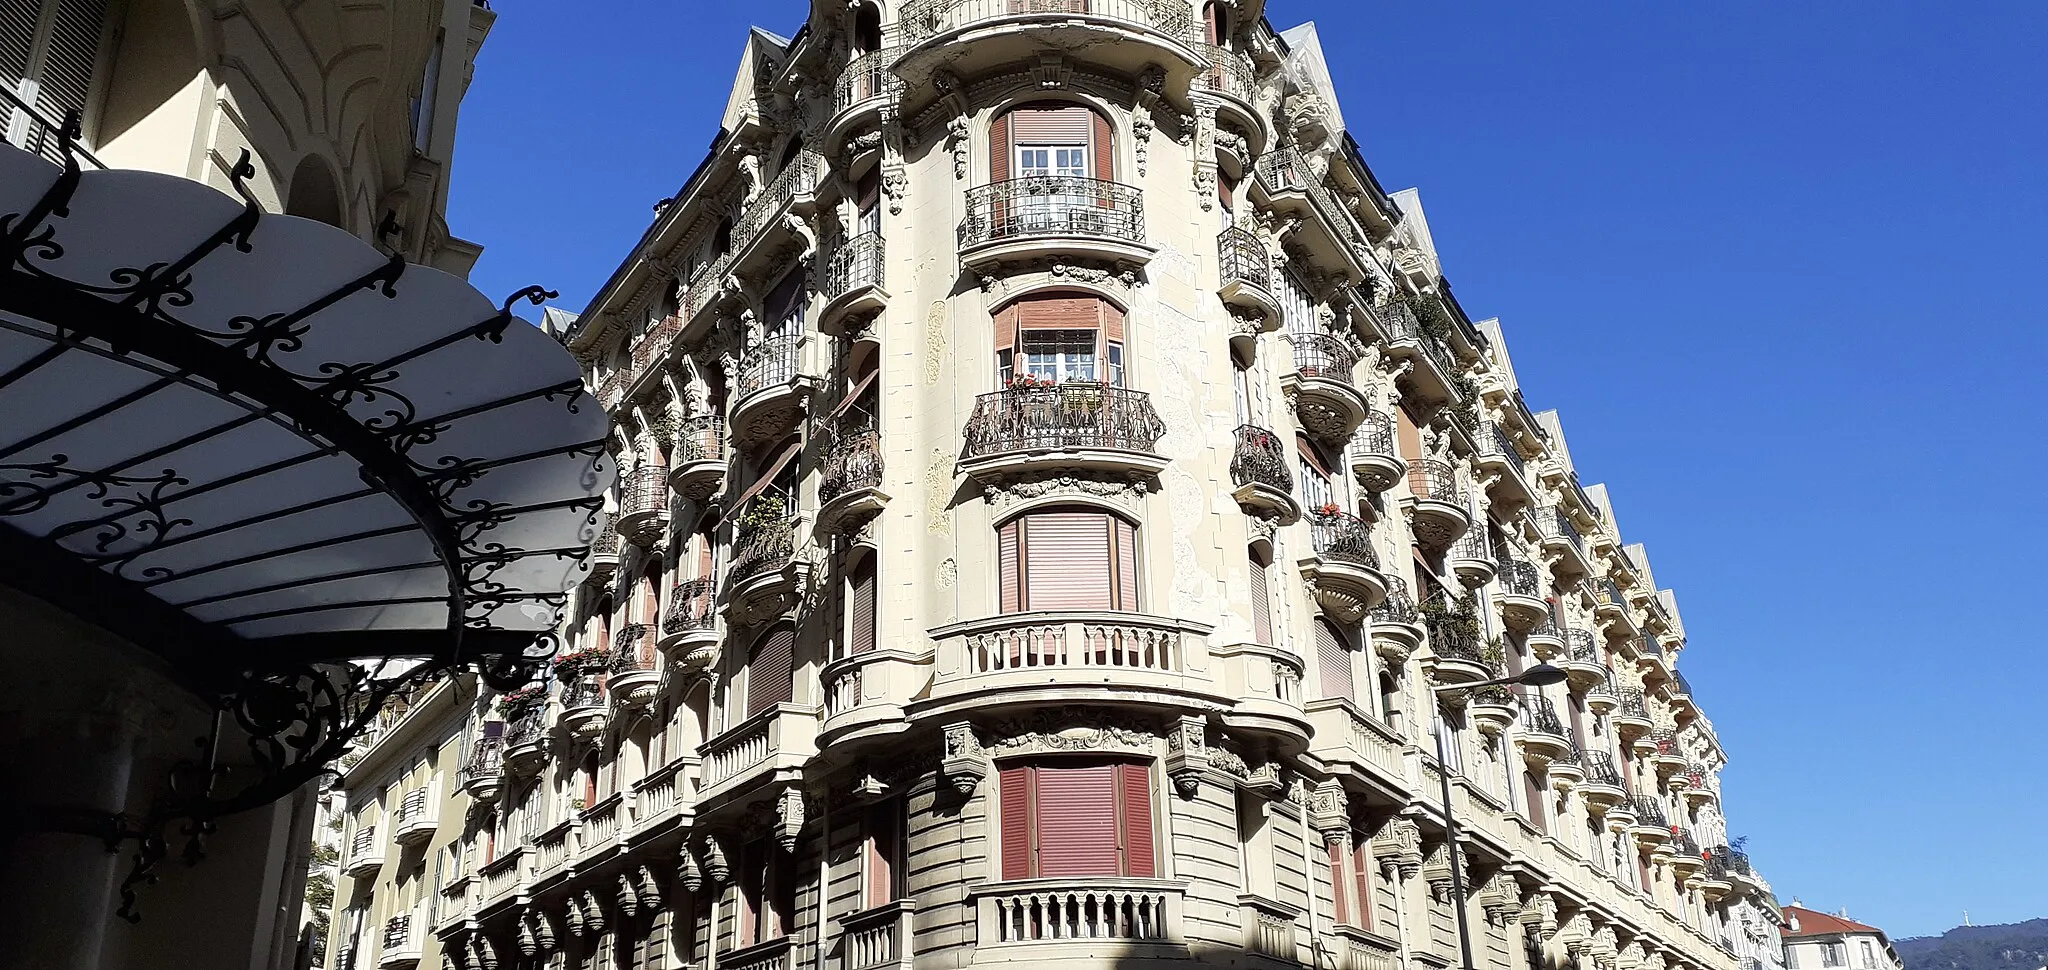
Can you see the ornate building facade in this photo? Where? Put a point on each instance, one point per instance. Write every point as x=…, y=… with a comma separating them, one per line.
x=1056, y=477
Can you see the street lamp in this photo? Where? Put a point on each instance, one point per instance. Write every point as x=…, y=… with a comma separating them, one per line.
x=1541, y=675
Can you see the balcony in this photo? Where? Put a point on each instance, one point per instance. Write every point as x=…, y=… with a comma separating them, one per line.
x=417, y=816
x=1232, y=77
x=1434, y=373
x=526, y=741
x=1650, y=659
x=972, y=37
x=1522, y=604
x=1650, y=829
x=483, y=774
x=1265, y=485
x=770, y=393
x=1491, y=710
x=1073, y=425
x=1568, y=769
x=1732, y=867
x=1668, y=755
x=763, y=226
x=1545, y=641
x=635, y=670
x=1053, y=215
x=1327, y=403
x=584, y=711
x=1582, y=661
x=1349, y=740
x=766, y=577
x=365, y=853
x=1499, y=456
x=1543, y=736
x=1471, y=558
x=1246, y=271
x=1086, y=911
x=503, y=877
x=1334, y=242
x=853, y=282
x=1602, y=696
x=1272, y=929
x=876, y=938
x=1457, y=657
x=1436, y=504
x=1681, y=695
x=1374, y=459
x=689, y=627
x=1632, y=718
x=1602, y=788
x=603, y=560
x=1609, y=606
x=863, y=93
x=865, y=693
x=1699, y=785
x=1686, y=856
x=850, y=491
x=697, y=462
x=1562, y=540
x=402, y=943
x=1068, y=656
x=780, y=739
x=1396, y=626
x=772, y=955
x=1344, y=574
x=643, y=503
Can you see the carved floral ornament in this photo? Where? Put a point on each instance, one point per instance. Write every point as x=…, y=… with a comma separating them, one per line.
x=968, y=757
x=1126, y=493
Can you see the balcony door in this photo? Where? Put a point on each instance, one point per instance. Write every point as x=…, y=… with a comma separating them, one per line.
x=1052, y=151
x=1059, y=338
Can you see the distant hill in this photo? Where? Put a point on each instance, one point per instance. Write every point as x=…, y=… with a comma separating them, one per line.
x=2010, y=946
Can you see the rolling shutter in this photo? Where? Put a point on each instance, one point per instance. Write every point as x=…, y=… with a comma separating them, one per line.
x=1067, y=561
x=999, y=149
x=1361, y=864
x=1076, y=820
x=1050, y=124
x=1333, y=661
x=1062, y=312
x=868, y=191
x=1015, y=796
x=1262, y=603
x=881, y=851
x=1338, y=896
x=771, y=669
x=1006, y=327
x=861, y=638
x=1210, y=28
x=1134, y=810
x=1226, y=192
x=1533, y=790
x=1010, y=566
x=1105, y=149
x=1126, y=565
x=1112, y=322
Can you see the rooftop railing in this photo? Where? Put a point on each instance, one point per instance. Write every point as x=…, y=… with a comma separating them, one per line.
x=922, y=20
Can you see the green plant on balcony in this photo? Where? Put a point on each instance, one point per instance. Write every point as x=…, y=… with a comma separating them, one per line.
x=1495, y=654
x=663, y=424
x=763, y=512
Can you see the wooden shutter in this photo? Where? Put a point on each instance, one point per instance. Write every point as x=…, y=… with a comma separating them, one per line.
x=64, y=74
x=861, y=638
x=999, y=149
x=1077, y=822
x=1262, y=603
x=1338, y=897
x=1067, y=561
x=1105, y=149
x=1014, y=797
x=1112, y=321
x=1361, y=869
x=753, y=873
x=1333, y=661
x=1407, y=438
x=1060, y=312
x=1010, y=565
x=1134, y=809
x=1210, y=28
x=1006, y=326
x=1126, y=564
x=771, y=669
x=882, y=842
x=1533, y=789
x=1226, y=192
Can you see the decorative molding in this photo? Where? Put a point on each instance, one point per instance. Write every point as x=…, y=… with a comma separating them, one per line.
x=1127, y=493
x=1074, y=729
x=965, y=761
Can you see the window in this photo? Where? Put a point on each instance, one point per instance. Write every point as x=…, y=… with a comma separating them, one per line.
x=1061, y=338
x=868, y=195
x=860, y=594
x=771, y=669
x=48, y=52
x=1068, y=559
x=1362, y=872
x=1834, y=955
x=1333, y=661
x=1262, y=599
x=766, y=893
x=423, y=106
x=1255, y=841
x=1065, y=143
x=1060, y=356
x=881, y=852
x=1532, y=789
x=1318, y=482
x=785, y=306
x=1077, y=818
x=1869, y=953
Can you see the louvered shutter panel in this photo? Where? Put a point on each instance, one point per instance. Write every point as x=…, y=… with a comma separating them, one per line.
x=1010, y=565
x=18, y=22
x=1112, y=321
x=1059, y=313
x=1067, y=561
x=1262, y=603
x=1050, y=124
x=1532, y=791
x=1134, y=798
x=1338, y=896
x=1006, y=326
x=1407, y=438
x=1209, y=25
x=1126, y=564
x=1015, y=798
x=882, y=842
x=1077, y=820
x=771, y=669
x=1333, y=661
x=64, y=79
x=862, y=637
x=1361, y=869
x=999, y=149
x=1105, y=149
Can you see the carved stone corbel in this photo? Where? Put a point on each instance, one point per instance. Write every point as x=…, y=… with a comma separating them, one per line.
x=593, y=914
x=690, y=872
x=629, y=897
x=789, y=818
x=965, y=762
x=1187, y=754
x=1330, y=813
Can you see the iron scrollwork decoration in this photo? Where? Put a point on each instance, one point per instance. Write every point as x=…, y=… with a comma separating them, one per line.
x=295, y=710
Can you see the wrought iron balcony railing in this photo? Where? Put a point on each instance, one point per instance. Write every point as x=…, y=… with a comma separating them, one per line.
x=644, y=491
x=1053, y=205
x=1580, y=645
x=1678, y=684
x=1403, y=326
x=1451, y=645
x=608, y=541
x=922, y=20
x=1398, y=607
x=1241, y=258
x=799, y=177
x=1229, y=73
x=1260, y=458
x=1433, y=479
x=1376, y=435
x=1605, y=592
x=691, y=606
x=1343, y=537
x=1571, y=756
x=583, y=693
x=699, y=438
x=1633, y=705
x=1723, y=860
x=774, y=362
x=633, y=649
x=485, y=759
x=762, y=546
x=397, y=932
x=1285, y=170
x=1600, y=769
x=867, y=78
x=1519, y=578
x=856, y=263
x=1325, y=355
x=1682, y=843
x=1650, y=646
x=1649, y=811
x=528, y=727
x=1541, y=716
x=853, y=460
x=1062, y=417
x=1506, y=448
x=1557, y=524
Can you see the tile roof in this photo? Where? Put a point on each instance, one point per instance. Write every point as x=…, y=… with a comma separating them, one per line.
x=1813, y=923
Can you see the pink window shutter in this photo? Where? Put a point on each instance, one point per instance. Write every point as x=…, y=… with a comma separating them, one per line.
x=1010, y=565
x=1134, y=798
x=1067, y=559
x=1077, y=820
x=1126, y=564
x=1262, y=603
x=1333, y=661
x=1014, y=793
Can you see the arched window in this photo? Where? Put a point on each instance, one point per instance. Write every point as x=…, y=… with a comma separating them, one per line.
x=860, y=605
x=1068, y=559
x=1051, y=138
x=1215, y=23
x=1060, y=338
x=867, y=29
x=771, y=669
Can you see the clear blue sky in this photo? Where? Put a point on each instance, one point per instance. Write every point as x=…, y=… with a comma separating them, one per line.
x=1779, y=265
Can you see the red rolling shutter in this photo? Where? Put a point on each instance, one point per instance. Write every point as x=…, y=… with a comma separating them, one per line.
x=999, y=149
x=1262, y=603
x=1338, y=896
x=1077, y=821
x=771, y=669
x=861, y=638
x=1134, y=810
x=1571, y=704
x=1067, y=561
x=1112, y=322
x=1015, y=798
x=1361, y=864
x=1105, y=148
x=1533, y=789
x=883, y=838
x=1210, y=30
x=1010, y=565
x=1126, y=564
x=1333, y=661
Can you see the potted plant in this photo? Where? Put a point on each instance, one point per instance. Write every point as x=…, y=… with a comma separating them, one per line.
x=519, y=702
x=568, y=665
x=1329, y=509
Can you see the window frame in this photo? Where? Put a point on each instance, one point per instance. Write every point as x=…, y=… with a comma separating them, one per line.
x=1120, y=805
